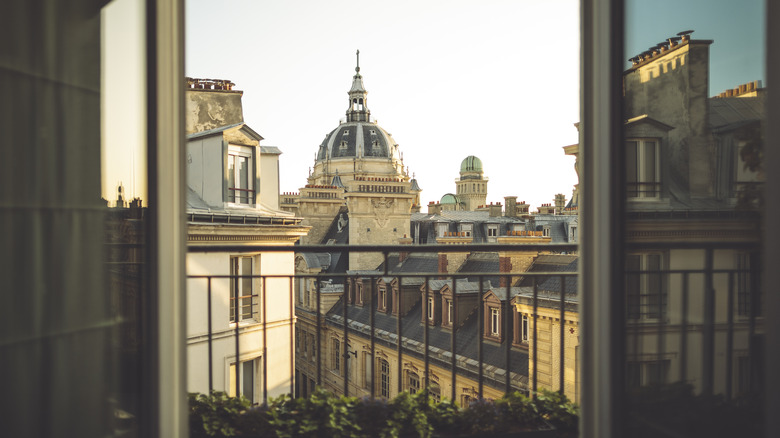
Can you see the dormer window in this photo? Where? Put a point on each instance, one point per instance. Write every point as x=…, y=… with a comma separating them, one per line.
x=493, y=318
x=492, y=231
x=382, y=305
x=346, y=132
x=546, y=231
x=642, y=170
x=240, y=175
x=466, y=229
x=431, y=314
x=343, y=145
x=495, y=322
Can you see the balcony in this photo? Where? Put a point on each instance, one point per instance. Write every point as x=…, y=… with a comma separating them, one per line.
x=692, y=333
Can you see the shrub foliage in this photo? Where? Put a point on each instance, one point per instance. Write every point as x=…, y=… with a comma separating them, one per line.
x=323, y=414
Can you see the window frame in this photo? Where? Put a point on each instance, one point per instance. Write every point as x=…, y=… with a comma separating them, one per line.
x=247, y=152
x=641, y=177
x=384, y=379
x=644, y=297
x=495, y=321
x=237, y=291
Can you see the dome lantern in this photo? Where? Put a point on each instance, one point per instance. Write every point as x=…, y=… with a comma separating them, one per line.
x=358, y=97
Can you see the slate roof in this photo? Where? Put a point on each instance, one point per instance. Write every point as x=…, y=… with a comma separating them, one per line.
x=356, y=139
x=553, y=263
x=196, y=205
x=727, y=112
x=439, y=340
x=481, y=262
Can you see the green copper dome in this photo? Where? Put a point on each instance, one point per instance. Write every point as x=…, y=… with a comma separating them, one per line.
x=471, y=164
x=449, y=198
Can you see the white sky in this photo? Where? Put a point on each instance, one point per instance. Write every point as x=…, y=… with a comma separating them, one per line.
x=496, y=79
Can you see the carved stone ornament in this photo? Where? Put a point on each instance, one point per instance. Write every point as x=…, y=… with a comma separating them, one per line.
x=382, y=208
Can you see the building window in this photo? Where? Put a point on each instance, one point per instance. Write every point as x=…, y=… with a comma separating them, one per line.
x=546, y=231
x=430, y=309
x=524, y=329
x=336, y=356
x=247, y=374
x=367, y=370
x=382, y=300
x=240, y=175
x=304, y=344
x=449, y=312
x=646, y=294
x=434, y=392
x=646, y=373
x=442, y=229
x=572, y=234
x=414, y=383
x=384, y=378
x=492, y=230
x=495, y=321
x=359, y=292
x=642, y=170
x=313, y=343
x=242, y=298
x=743, y=284
x=466, y=229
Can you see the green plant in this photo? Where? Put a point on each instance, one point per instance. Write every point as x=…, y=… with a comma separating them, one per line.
x=323, y=414
x=556, y=408
x=216, y=414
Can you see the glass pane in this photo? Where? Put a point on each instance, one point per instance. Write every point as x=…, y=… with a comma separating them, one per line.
x=246, y=288
x=631, y=168
x=243, y=179
x=694, y=94
x=231, y=178
x=248, y=380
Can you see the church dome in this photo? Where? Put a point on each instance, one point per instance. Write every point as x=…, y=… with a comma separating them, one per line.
x=357, y=140
x=359, y=137
x=471, y=164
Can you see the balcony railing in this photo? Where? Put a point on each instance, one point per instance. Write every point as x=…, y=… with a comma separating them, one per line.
x=697, y=326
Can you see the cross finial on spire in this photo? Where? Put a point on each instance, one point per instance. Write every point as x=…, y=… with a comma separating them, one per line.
x=357, y=68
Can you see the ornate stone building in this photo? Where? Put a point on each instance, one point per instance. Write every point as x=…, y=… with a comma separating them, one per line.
x=359, y=166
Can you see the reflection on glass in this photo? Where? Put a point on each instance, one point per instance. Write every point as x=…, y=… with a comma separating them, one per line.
x=693, y=188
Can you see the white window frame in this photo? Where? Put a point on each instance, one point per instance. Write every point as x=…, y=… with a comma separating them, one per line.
x=239, y=286
x=492, y=230
x=450, y=307
x=466, y=229
x=644, y=176
x=241, y=152
x=495, y=321
x=431, y=302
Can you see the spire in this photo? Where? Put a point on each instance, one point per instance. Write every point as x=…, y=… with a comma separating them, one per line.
x=358, y=102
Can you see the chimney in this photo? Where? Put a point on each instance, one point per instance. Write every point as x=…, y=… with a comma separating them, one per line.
x=495, y=209
x=522, y=207
x=511, y=206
